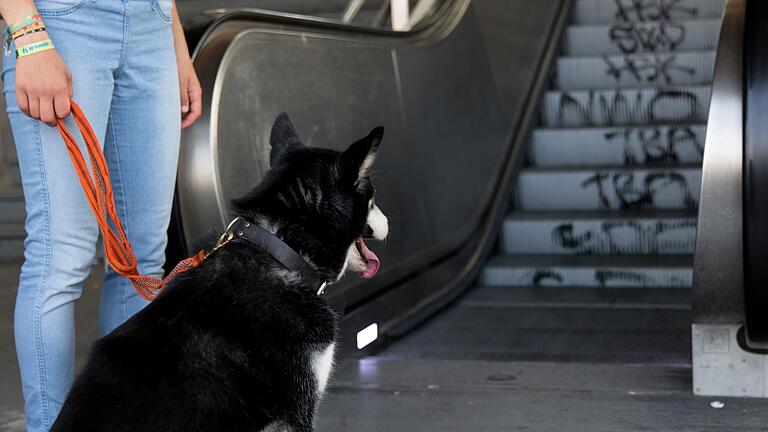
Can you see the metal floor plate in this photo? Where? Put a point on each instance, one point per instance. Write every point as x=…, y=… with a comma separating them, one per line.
x=627, y=326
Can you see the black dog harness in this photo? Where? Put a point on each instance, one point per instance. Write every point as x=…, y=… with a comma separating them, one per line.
x=276, y=248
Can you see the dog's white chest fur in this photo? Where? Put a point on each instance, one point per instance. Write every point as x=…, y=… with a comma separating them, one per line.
x=322, y=363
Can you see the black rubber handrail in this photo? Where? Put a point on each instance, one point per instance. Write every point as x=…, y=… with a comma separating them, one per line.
x=755, y=177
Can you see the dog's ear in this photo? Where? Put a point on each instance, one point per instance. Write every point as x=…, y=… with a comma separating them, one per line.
x=283, y=138
x=361, y=155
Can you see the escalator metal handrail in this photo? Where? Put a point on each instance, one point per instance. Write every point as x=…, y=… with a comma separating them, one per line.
x=755, y=180
x=427, y=32
x=718, y=278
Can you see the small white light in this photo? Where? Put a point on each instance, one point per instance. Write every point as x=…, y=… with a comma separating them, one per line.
x=367, y=335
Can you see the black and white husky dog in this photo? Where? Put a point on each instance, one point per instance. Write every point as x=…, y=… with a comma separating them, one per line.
x=243, y=343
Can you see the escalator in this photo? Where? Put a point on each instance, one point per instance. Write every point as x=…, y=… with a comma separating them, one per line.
x=544, y=282
x=595, y=258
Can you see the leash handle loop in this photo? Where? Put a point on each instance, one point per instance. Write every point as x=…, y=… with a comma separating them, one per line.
x=98, y=191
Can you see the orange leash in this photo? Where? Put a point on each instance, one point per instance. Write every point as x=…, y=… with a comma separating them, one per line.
x=98, y=191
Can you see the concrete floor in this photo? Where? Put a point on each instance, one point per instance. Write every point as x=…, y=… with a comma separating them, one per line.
x=429, y=395
x=392, y=393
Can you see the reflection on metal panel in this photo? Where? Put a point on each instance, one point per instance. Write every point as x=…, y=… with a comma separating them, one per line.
x=446, y=161
x=336, y=88
x=718, y=271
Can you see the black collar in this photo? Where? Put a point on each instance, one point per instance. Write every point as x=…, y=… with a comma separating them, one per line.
x=277, y=249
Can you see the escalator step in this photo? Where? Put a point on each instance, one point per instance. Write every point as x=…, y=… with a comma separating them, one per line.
x=578, y=297
x=633, y=38
x=589, y=271
x=610, y=107
x=636, y=70
x=616, y=11
x=610, y=188
x=664, y=233
x=630, y=146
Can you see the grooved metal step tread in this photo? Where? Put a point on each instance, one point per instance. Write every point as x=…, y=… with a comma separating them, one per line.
x=608, y=167
x=600, y=214
x=583, y=129
x=626, y=106
x=667, y=145
x=636, y=70
x=578, y=297
x=619, y=233
x=604, y=271
x=632, y=38
x=607, y=188
x=651, y=23
x=621, y=11
x=602, y=261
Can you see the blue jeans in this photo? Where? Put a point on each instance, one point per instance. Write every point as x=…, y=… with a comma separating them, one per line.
x=123, y=65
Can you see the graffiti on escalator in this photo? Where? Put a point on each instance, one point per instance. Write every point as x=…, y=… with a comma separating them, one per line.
x=626, y=237
x=654, y=145
x=631, y=38
x=653, y=10
x=620, y=107
x=647, y=68
x=630, y=191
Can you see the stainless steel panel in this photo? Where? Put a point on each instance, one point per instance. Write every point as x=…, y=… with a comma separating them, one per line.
x=336, y=87
x=718, y=266
x=445, y=168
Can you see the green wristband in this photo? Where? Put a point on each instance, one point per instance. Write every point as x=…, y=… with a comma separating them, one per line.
x=27, y=20
x=34, y=48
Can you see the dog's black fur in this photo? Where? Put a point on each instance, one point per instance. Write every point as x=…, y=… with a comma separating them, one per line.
x=227, y=346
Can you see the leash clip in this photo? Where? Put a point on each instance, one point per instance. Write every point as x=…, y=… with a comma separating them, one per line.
x=224, y=239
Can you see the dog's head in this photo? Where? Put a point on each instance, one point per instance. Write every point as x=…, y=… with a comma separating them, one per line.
x=321, y=202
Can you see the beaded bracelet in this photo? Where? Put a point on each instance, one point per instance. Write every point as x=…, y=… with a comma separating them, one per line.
x=28, y=29
x=31, y=31
x=34, y=48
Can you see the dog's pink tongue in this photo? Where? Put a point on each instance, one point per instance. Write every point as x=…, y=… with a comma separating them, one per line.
x=373, y=261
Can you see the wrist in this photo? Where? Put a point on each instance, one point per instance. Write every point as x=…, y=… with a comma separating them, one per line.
x=183, y=58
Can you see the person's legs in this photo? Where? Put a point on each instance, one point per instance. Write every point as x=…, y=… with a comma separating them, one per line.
x=142, y=147
x=61, y=231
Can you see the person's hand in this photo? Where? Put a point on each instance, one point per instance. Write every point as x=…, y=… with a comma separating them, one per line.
x=43, y=83
x=191, y=92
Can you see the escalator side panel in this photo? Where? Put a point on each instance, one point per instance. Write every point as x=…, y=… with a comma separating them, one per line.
x=436, y=95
